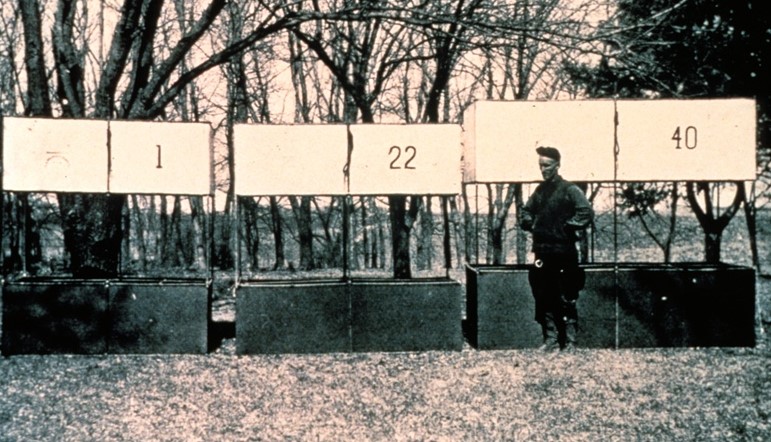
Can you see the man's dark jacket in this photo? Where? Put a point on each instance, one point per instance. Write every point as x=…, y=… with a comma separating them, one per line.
x=555, y=211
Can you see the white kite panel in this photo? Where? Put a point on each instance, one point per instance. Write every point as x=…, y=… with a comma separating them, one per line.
x=54, y=155
x=500, y=138
x=420, y=159
x=686, y=140
x=290, y=159
x=160, y=158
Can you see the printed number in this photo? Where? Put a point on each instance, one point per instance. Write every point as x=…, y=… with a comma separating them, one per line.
x=159, y=166
x=414, y=152
x=397, y=151
x=56, y=159
x=690, y=138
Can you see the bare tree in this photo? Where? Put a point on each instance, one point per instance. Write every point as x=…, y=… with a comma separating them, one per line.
x=9, y=71
x=134, y=82
x=362, y=57
x=301, y=206
x=640, y=201
x=140, y=231
x=754, y=199
x=20, y=218
x=151, y=62
x=713, y=221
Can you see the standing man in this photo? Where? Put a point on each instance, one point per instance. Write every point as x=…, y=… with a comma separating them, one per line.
x=554, y=214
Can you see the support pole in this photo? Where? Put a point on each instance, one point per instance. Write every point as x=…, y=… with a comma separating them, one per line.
x=23, y=206
x=209, y=233
x=593, y=235
x=616, y=150
x=212, y=218
x=2, y=209
x=447, y=246
x=346, y=235
x=476, y=221
x=236, y=241
x=346, y=197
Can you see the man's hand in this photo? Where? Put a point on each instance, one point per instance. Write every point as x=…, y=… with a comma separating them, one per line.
x=524, y=218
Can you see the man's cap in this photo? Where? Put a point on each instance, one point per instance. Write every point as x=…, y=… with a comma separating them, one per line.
x=549, y=152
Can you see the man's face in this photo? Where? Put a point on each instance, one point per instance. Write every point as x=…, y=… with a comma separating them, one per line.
x=549, y=167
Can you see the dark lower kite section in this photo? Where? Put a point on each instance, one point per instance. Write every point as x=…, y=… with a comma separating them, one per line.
x=629, y=305
x=344, y=316
x=63, y=315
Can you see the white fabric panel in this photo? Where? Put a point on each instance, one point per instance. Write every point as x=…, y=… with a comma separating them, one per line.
x=406, y=159
x=290, y=159
x=500, y=138
x=160, y=158
x=686, y=140
x=54, y=155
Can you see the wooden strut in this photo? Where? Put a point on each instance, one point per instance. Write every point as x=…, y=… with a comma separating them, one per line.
x=346, y=198
x=125, y=203
x=211, y=219
x=446, y=239
x=2, y=206
x=235, y=237
x=476, y=221
x=616, y=151
x=212, y=247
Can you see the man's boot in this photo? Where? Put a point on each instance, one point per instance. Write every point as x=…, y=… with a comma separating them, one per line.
x=550, y=335
x=571, y=332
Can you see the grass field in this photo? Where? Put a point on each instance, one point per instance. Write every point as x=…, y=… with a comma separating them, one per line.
x=656, y=395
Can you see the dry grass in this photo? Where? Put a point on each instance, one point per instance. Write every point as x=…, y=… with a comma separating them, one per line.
x=685, y=394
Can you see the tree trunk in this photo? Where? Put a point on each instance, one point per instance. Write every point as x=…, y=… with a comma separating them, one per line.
x=711, y=220
x=32, y=246
x=373, y=249
x=332, y=251
x=674, y=197
x=401, y=225
x=38, y=101
x=498, y=209
x=237, y=112
x=15, y=222
x=250, y=209
x=302, y=215
x=69, y=71
x=180, y=246
x=521, y=238
x=750, y=216
x=163, y=231
x=364, y=232
x=278, y=236
x=712, y=246
x=350, y=245
x=197, y=233
x=92, y=233
x=378, y=240
x=140, y=233
x=127, y=258
x=425, y=247
x=461, y=253
x=496, y=242
x=21, y=216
